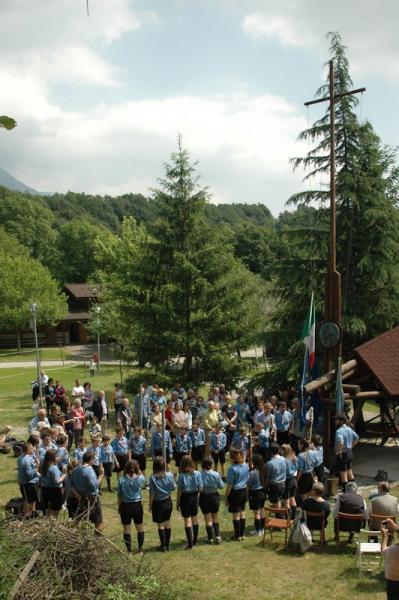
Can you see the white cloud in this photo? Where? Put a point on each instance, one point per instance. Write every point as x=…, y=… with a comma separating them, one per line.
x=239, y=139
x=368, y=28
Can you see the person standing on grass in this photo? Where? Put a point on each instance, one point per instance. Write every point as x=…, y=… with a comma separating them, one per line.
x=345, y=440
x=257, y=493
x=162, y=485
x=236, y=492
x=116, y=400
x=230, y=416
x=129, y=503
x=283, y=419
x=291, y=483
x=80, y=449
x=197, y=436
x=156, y=444
x=209, y=500
x=218, y=448
x=211, y=419
x=120, y=446
x=86, y=488
x=108, y=460
x=276, y=475
x=40, y=418
x=138, y=447
x=100, y=411
x=297, y=429
x=28, y=478
x=262, y=441
x=51, y=483
x=95, y=448
x=391, y=559
x=306, y=464
x=183, y=445
x=189, y=485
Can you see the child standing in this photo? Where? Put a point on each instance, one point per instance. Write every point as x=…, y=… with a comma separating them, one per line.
x=197, y=436
x=162, y=485
x=257, y=493
x=183, y=445
x=189, y=485
x=138, y=447
x=218, y=447
x=236, y=492
x=209, y=500
x=108, y=460
x=129, y=502
x=120, y=446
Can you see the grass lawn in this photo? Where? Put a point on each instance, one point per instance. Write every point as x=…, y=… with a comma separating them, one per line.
x=30, y=354
x=233, y=569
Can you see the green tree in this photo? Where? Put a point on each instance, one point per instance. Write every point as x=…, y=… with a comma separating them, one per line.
x=75, y=250
x=23, y=281
x=30, y=222
x=7, y=122
x=367, y=231
x=177, y=289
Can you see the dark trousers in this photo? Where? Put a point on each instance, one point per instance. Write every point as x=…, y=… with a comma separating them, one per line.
x=392, y=590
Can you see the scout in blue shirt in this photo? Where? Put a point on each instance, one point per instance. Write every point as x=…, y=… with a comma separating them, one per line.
x=283, y=419
x=47, y=444
x=162, y=485
x=276, y=475
x=257, y=492
x=138, y=447
x=52, y=479
x=96, y=449
x=306, y=464
x=317, y=451
x=218, y=447
x=209, y=500
x=262, y=441
x=156, y=444
x=240, y=441
x=62, y=452
x=130, y=506
x=108, y=460
x=236, y=491
x=86, y=486
x=189, y=485
x=197, y=436
x=28, y=478
x=120, y=446
x=80, y=449
x=183, y=445
x=291, y=483
x=345, y=440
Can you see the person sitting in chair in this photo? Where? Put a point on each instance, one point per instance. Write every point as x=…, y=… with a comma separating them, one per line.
x=350, y=502
x=316, y=503
x=383, y=504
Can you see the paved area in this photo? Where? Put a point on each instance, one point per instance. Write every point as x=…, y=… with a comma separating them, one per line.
x=370, y=457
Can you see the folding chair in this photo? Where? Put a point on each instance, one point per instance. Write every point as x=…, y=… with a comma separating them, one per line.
x=368, y=553
x=375, y=521
x=348, y=523
x=321, y=529
x=281, y=520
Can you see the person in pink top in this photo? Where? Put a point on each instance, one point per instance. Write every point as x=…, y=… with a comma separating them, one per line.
x=78, y=415
x=391, y=558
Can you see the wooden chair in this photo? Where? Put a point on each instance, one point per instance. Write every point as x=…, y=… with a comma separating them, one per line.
x=343, y=524
x=277, y=518
x=321, y=530
x=369, y=554
x=378, y=519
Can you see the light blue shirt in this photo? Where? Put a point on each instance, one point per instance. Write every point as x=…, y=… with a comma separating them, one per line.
x=240, y=442
x=283, y=420
x=156, y=442
x=78, y=454
x=27, y=470
x=254, y=481
x=162, y=487
x=306, y=461
x=107, y=454
x=97, y=455
x=292, y=467
x=33, y=423
x=51, y=478
x=211, y=482
x=218, y=441
x=62, y=457
x=237, y=476
x=183, y=443
x=319, y=455
x=345, y=435
x=190, y=482
x=43, y=450
x=197, y=437
x=264, y=438
x=138, y=445
x=120, y=445
x=129, y=488
x=84, y=481
x=276, y=469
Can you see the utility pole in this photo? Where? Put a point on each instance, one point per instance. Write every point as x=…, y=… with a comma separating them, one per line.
x=33, y=310
x=332, y=304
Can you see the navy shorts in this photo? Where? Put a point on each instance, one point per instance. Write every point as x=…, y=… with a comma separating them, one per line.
x=131, y=511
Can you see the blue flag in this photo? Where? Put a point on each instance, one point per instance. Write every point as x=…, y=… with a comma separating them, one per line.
x=339, y=391
x=301, y=391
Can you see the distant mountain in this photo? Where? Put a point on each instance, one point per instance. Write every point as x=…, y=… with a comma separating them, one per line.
x=12, y=183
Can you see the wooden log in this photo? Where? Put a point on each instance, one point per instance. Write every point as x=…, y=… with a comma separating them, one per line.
x=349, y=374
x=371, y=394
x=328, y=377
x=347, y=387
x=23, y=575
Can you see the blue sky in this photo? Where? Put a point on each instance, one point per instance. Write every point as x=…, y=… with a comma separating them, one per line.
x=100, y=100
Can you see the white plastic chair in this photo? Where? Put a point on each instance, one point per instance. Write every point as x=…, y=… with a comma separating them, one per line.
x=368, y=553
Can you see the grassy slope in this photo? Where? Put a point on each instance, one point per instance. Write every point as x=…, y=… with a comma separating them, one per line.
x=49, y=353
x=233, y=569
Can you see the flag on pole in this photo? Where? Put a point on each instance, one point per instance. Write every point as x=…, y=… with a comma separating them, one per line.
x=309, y=334
x=339, y=391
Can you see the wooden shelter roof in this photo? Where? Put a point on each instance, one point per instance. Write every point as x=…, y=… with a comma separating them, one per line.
x=82, y=290
x=381, y=357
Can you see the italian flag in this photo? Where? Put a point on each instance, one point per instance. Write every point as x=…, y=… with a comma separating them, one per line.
x=309, y=334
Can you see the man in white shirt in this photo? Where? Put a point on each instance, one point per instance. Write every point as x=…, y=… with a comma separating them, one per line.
x=43, y=378
x=41, y=418
x=78, y=390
